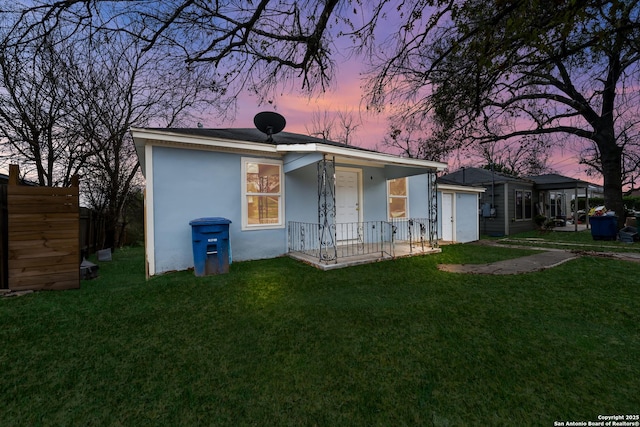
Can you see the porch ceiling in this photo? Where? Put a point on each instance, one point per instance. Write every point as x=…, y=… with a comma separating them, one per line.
x=293, y=161
x=392, y=171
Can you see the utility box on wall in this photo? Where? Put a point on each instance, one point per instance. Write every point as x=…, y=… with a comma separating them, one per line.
x=488, y=211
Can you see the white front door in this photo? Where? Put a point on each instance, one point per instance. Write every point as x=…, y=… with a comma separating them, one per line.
x=347, y=205
x=447, y=217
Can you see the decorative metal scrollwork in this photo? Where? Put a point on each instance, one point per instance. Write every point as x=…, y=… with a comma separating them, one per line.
x=360, y=239
x=327, y=209
x=423, y=234
x=432, y=197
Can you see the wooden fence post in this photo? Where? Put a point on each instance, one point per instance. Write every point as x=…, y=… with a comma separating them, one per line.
x=4, y=239
x=14, y=174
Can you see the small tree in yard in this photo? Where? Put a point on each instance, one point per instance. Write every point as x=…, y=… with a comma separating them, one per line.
x=527, y=156
x=410, y=140
x=322, y=125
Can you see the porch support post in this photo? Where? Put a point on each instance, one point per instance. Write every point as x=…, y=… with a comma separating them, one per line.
x=327, y=209
x=432, y=198
x=586, y=207
x=575, y=210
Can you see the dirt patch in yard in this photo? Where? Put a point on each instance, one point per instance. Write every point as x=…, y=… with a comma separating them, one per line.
x=526, y=264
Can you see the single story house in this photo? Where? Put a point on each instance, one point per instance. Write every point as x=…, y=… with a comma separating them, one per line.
x=510, y=204
x=284, y=194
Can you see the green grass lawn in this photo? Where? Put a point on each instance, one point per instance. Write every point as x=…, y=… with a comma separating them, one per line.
x=581, y=240
x=277, y=342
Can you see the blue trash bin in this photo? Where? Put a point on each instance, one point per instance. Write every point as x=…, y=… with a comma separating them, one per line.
x=211, y=249
x=604, y=227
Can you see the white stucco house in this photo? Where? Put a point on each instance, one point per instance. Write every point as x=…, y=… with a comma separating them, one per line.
x=313, y=199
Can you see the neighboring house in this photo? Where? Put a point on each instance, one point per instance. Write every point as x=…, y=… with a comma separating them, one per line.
x=4, y=180
x=510, y=204
x=595, y=191
x=293, y=194
x=507, y=205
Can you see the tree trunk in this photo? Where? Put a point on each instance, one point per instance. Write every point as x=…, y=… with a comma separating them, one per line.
x=111, y=221
x=611, y=158
x=109, y=232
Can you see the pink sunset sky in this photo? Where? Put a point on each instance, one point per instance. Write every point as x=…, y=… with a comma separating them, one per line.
x=298, y=110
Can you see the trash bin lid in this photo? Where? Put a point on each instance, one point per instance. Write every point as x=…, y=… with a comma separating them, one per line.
x=210, y=221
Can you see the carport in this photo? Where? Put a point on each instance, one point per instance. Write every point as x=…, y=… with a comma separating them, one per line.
x=555, y=184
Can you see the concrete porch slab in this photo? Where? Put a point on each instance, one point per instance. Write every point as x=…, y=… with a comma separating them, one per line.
x=400, y=250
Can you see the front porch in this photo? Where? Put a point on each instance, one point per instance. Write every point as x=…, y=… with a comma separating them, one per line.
x=342, y=235
x=344, y=245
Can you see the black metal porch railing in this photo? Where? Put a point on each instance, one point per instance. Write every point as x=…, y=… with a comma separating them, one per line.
x=330, y=243
x=414, y=231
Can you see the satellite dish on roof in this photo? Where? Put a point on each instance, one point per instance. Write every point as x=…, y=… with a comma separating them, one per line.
x=270, y=123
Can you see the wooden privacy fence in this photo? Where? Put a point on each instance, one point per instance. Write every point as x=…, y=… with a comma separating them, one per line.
x=40, y=247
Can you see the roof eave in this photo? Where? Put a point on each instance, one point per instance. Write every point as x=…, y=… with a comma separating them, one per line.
x=148, y=135
x=461, y=188
x=371, y=156
x=144, y=137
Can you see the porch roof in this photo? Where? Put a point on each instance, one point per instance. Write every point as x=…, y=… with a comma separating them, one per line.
x=297, y=150
x=554, y=181
x=472, y=176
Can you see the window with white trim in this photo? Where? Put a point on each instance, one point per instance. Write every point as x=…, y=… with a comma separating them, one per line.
x=523, y=204
x=262, y=193
x=398, y=198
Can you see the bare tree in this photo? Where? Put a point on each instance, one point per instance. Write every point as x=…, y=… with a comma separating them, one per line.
x=35, y=104
x=118, y=85
x=69, y=99
x=416, y=137
x=527, y=156
x=259, y=44
x=340, y=126
x=322, y=125
x=348, y=125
